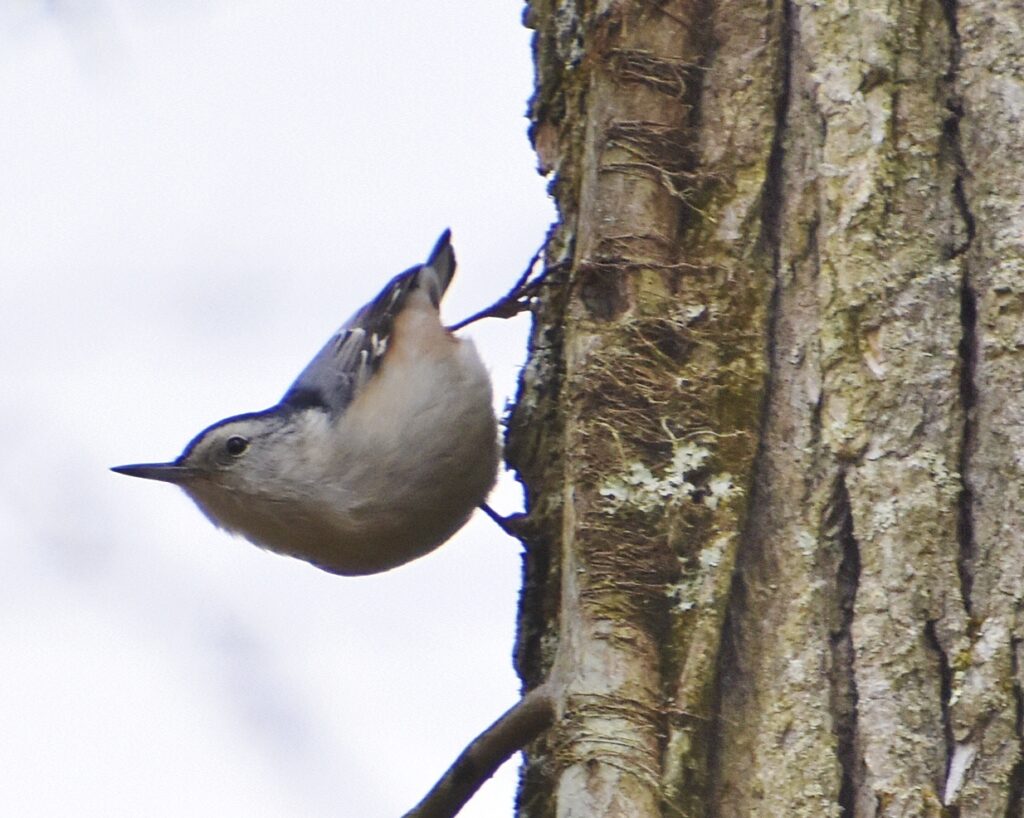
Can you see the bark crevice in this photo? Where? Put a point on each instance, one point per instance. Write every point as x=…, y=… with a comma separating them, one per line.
x=968, y=350
x=968, y=347
x=769, y=243
x=945, y=696
x=1015, y=798
x=772, y=200
x=842, y=679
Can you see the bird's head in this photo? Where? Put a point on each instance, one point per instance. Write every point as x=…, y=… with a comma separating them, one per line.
x=233, y=454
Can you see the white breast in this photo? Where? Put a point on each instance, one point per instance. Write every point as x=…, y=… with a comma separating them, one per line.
x=410, y=459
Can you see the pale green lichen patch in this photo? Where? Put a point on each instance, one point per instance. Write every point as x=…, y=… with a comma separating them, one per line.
x=691, y=590
x=680, y=480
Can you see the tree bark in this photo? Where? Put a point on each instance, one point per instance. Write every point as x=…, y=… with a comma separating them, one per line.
x=771, y=425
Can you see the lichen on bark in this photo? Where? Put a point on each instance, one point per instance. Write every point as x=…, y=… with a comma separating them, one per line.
x=656, y=348
x=770, y=425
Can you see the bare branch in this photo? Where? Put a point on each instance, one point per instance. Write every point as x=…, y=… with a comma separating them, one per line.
x=526, y=720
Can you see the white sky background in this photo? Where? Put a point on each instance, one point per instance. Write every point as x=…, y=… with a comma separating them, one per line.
x=194, y=196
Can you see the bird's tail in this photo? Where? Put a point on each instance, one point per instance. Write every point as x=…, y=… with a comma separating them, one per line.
x=435, y=276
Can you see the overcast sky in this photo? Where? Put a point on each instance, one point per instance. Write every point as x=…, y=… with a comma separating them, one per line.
x=194, y=196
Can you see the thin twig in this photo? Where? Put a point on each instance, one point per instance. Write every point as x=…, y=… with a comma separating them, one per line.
x=520, y=725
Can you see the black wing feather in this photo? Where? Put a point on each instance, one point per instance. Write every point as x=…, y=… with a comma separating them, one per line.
x=334, y=377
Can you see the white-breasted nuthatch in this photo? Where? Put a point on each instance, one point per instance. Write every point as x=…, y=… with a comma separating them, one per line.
x=378, y=453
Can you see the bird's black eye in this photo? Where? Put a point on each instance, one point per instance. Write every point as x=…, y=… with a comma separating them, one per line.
x=236, y=445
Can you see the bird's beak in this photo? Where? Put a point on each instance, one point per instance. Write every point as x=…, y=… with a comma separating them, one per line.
x=167, y=472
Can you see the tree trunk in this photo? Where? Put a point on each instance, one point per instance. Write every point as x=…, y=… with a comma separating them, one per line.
x=772, y=426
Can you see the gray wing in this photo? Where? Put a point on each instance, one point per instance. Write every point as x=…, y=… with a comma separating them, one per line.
x=334, y=377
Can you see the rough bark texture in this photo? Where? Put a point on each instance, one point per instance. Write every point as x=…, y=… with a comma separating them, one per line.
x=772, y=422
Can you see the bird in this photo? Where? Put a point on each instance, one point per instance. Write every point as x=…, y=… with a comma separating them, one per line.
x=377, y=454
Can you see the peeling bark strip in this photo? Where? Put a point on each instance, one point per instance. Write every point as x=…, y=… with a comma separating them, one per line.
x=770, y=430
x=623, y=351
x=659, y=355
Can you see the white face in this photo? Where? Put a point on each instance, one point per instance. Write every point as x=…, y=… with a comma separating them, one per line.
x=215, y=454
x=221, y=448
x=261, y=475
x=275, y=458
x=274, y=454
x=231, y=469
